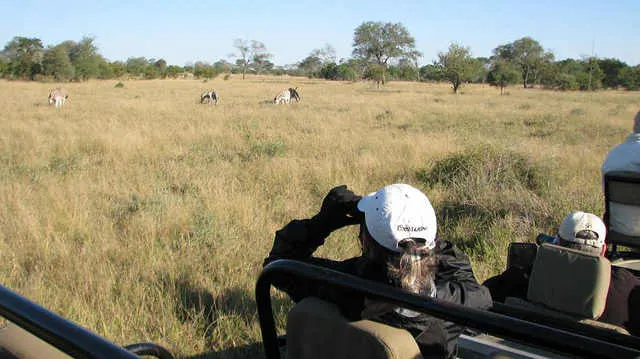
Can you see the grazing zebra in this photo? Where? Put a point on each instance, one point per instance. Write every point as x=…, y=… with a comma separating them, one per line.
x=294, y=94
x=210, y=97
x=283, y=97
x=58, y=96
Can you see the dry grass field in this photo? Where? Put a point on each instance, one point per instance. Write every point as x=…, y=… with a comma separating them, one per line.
x=145, y=216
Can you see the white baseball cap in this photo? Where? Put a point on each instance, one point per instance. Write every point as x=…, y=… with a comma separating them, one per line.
x=581, y=221
x=397, y=212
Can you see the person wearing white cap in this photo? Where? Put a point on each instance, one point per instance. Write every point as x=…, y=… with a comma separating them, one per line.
x=585, y=232
x=400, y=247
x=625, y=157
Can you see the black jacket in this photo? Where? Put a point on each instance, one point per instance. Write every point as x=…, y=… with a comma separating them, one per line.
x=455, y=282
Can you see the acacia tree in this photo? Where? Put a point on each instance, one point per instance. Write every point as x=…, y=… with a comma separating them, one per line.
x=502, y=74
x=250, y=52
x=378, y=42
x=528, y=55
x=25, y=56
x=85, y=58
x=456, y=65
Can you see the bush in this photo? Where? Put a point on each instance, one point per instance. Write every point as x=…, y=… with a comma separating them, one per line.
x=489, y=190
x=119, y=85
x=226, y=77
x=566, y=82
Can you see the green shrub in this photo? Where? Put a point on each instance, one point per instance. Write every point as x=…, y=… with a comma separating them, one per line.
x=119, y=85
x=226, y=77
x=489, y=190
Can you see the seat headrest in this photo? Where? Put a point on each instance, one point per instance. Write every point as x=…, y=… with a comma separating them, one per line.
x=316, y=329
x=570, y=281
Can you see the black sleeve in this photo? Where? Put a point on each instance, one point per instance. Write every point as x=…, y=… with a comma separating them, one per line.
x=298, y=240
x=455, y=280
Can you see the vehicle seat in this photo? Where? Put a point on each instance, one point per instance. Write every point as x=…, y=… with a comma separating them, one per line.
x=317, y=330
x=622, y=208
x=570, y=284
x=24, y=345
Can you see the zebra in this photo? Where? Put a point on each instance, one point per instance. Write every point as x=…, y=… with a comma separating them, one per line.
x=294, y=94
x=283, y=97
x=210, y=97
x=58, y=96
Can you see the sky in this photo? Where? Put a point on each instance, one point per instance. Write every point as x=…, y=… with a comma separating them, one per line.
x=183, y=32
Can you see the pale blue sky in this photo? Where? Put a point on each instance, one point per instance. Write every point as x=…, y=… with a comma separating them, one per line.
x=188, y=31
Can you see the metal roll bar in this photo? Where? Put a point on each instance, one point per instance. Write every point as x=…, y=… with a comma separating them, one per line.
x=59, y=332
x=500, y=325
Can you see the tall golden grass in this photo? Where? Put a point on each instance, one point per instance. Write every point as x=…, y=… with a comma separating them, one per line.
x=145, y=216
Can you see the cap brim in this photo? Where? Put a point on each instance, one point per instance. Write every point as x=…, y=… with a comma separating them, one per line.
x=365, y=202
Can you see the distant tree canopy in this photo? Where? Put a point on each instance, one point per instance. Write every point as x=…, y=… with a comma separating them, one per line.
x=528, y=55
x=251, y=55
x=381, y=52
x=376, y=43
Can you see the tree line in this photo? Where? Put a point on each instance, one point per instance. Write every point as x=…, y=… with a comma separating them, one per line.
x=381, y=52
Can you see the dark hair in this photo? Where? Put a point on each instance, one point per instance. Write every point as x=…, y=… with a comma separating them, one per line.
x=413, y=269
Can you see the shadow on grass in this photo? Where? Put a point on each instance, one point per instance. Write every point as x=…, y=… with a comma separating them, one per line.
x=197, y=305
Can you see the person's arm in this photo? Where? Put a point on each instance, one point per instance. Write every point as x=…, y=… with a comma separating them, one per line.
x=455, y=280
x=300, y=238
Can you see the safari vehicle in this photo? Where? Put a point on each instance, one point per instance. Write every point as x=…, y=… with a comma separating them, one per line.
x=566, y=295
x=567, y=292
x=29, y=331
x=315, y=328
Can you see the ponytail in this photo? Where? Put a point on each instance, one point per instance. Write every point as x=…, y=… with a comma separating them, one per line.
x=414, y=269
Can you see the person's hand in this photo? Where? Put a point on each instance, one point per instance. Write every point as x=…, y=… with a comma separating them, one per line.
x=339, y=209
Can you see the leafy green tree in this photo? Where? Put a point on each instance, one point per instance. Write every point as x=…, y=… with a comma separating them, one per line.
x=56, y=63
x=611, y=69
x=378, y=43
x=630, y=78
x=405, y=70
x=25, y=57
x=590, y=78
x=482, y=67
x=85, y=58
x=567, y=82
x=4, y=66
x=528, y=55
x=431, y=72
x=105, y=71
x=172, y=71
x=457, y=65
x=346, y=73
x=260, y=60
x=503, y=74
x=136, y=66
x=310, y=66
x=329, y=71
x=222, y=66
x=375, y=72
x=118, y=68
